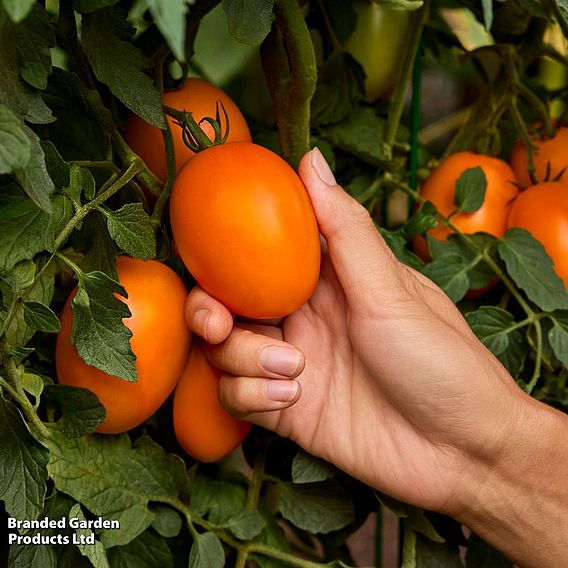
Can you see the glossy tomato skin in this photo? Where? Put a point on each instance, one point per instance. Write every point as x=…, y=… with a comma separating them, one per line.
x=378, y=44
x=550, y=158
x=160, y=340
x=198, y=97
x=204, y=429
x=245, y=228
x=543, y=211
x=490, y=218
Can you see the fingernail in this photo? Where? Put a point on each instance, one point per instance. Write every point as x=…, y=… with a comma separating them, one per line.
x=322, y=168
x=200, y=320
x=278, y=359
x=280, y=391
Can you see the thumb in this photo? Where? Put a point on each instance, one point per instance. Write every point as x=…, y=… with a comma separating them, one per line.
x=362, y=260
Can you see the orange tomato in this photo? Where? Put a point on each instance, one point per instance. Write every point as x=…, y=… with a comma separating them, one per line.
x=160, y=340
x=490, y=218
x=543, y=211
x=550, y=158
x=204, y=429
x=198, y=97
x=245, y=228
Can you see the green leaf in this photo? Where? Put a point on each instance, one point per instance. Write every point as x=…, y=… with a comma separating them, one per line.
x=132, y=230
x=246, y=524
x=207, y=552
x=86, y=6
x=35, y=38
x=169, y=17
x=250, y=21
x=81, y=409
x=115, y=479
x=81, y=182
x=514, y=357
x=94, y=552
x=487, y=6
x=219, y=499
x=342, y=17
x=422, y=221
x=558, y=336
x=26, y=556
x=396, y=241
x=167, y=522
x=21, y=276
x=33, y=384
x=492, y=325
x=470, y=189
x=57, y=168
x=435, y=555
x=149, y=550
x=119, y=65
x=23, y=461
x=482, y=555
x=41, y=317
x=532, y=270
x=450, y=273
x=340, y=86
x=309, y=469
x=273, y=536
x=101, y=250
x=99, y=334
x=17, y=9
x=319, y=508
x=409, y=548
x=15, y=145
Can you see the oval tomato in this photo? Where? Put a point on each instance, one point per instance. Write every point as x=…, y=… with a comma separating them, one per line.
x=160, y=340
x=543, y=210
x=377, y=43
x=204, y=429
x=550, y=158
x=490, y=218
x=198, y=97
x=245, y=228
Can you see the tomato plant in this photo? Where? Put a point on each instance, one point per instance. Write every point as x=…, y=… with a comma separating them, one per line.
x=160, y=341
x=244, y=200
x=204, y=429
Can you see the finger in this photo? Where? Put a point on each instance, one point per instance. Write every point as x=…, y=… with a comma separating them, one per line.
x=268, y=330
x=245, y=396
x=361, y=258
x=207, y=317
x=251, y=354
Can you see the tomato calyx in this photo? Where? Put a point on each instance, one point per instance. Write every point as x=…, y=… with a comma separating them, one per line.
x=194, y=137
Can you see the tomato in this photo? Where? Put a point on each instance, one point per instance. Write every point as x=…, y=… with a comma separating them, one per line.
x=550, y=158
x=245, y=228
x=378, y=42
x=543, y=210
x=160, y=340
x=490, y=218
x=198, y=97
x=204, y=429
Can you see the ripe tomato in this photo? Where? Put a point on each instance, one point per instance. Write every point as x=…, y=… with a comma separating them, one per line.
x=245, y=228
x=160, y=340
x=198, y=97
x=204, y=429
x=550, y=157
x=543, y=210
x=490, y=218
x=377, y=43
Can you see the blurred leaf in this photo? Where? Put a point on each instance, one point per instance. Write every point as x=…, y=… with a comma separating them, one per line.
x=169, y=17
x=470, y=189
x=167, y=522
x=249, y=20
x=207, y=552
x=342, y=17
x=87, y=6
x=15, y=145
x=493, y=326
x=309, y=469
x=487, y=7
x=246, y=524
x=148, y=550
x=532, y=270
x=558, y=336
x=562, y=6
x=23, y=461
x=274, y=536
x=397, y=243
x=482, y=555
x=431, y=554
x=118, y=64
x=340, y=87
x=99, y=333
x=450, y=273
x=18, y=9
x=41, y=317
x=422, y=221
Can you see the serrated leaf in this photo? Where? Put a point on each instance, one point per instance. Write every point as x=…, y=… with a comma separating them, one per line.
x=23, y=461
x=119, y=65
x=81, y=409
x=132, y=230
x=115, y=479
x=148, y=550
x=169, y=17
x=94, y=552
x=319, y=508
x=470, y=190
x=217, y=498
x=340, y=86
x=246, y=524
x=99, y=334
x=15, y=145
x=167, y=522
x=450, y=273
x=206, y=552
x=481, y=555
x=558, y=336
x=41, y=317
x=249, y=20
x=17, y=9
x=532, y=270
x=309, y=469
x=492, y=325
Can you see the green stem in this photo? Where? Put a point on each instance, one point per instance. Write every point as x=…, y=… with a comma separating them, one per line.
x=538, y=360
